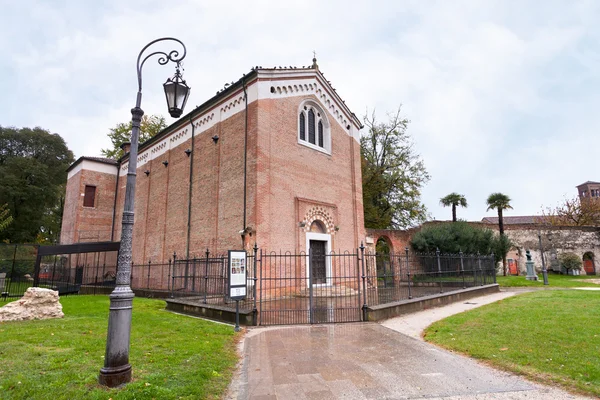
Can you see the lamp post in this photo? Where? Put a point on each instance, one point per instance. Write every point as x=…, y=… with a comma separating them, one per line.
x=553, y=255
x=117, y=370
x=544, y=270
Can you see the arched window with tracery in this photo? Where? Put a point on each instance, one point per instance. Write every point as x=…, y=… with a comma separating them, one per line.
x=313, y=127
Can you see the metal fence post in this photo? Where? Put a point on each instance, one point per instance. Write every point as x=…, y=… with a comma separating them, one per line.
x=260, y=291
x=364, y=281
x=148, y=284
x=187, y=261
x=170, y=279
x=310, y=286
x=479, y=268
x=206, y=275
x=462, y=268
x=494, y=264
x=254, y=279
x=439, y=265
x=358, y=278
x=408, y=272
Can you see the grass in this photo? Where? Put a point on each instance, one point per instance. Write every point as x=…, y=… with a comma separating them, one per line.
x=554, y=280
x=549, y=336
x=173, y=356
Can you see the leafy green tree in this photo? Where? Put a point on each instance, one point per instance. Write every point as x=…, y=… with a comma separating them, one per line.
x=453, y=238
x=392, y=175
x=501, y=246
x=500, y=202
x=121, y=133
x=33, y=165
x=454, y=199
x=570, y=261
x=5, y=217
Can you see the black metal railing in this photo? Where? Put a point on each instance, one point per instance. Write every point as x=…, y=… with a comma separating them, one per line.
x=283, y=288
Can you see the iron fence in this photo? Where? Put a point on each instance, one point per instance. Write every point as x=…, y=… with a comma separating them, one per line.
x=283, y=288
x=17, y=264
x=308, y=288
x=205, y=279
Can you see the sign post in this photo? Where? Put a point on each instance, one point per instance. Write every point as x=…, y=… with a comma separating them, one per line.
x=237, y=271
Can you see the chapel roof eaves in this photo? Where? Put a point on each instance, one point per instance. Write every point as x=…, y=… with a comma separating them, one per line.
x=232, y=87
x=102, y=160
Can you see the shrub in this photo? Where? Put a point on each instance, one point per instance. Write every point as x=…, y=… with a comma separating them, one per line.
x=460, y=236
x=570, y=261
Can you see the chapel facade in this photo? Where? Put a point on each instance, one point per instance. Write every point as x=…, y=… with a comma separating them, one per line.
x=273, y=159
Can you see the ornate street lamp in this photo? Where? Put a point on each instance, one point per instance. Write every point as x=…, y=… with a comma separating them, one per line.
x=117, y=370
x=544, y=270
x=176, y=92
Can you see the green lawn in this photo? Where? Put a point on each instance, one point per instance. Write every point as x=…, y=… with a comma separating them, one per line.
x=565, y=281
x=550, y=336
x=173, y=356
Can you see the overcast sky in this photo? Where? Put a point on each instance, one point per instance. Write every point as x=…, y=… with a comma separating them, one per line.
x=503, y=96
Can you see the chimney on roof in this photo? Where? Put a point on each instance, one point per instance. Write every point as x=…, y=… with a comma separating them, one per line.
x=125, y=147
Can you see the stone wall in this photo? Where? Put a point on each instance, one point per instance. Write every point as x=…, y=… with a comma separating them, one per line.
x=579, y=240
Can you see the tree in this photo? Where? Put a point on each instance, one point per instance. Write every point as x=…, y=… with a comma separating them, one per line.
x=5, y=217
x=500, y=247
x=460, y=236
x=121, y=133
x=33, y=165
x=570, y=261
x=392, y=175
x=454, y=199
x=574, y=212
x=500, y=202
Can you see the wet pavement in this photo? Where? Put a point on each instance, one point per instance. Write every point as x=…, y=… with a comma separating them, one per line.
x=366, y=361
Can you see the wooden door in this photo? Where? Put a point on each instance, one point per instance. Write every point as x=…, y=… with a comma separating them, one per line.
x=588, y=266
x=513, y=267
x=318, y=265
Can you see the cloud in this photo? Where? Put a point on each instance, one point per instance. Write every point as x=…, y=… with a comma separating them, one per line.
x=502, y=95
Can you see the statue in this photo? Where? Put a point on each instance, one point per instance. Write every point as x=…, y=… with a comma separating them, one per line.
x=531, y=275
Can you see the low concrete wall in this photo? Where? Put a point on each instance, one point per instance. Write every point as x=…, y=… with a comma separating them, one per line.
x=389, y=310
x=210, y=311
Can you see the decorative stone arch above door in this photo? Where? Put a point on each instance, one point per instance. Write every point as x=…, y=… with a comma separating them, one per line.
x=318, y=213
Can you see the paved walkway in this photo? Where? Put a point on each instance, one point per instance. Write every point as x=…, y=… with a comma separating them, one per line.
x=372, y=361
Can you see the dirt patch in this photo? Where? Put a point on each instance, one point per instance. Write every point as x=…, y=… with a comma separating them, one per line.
x=596, y=281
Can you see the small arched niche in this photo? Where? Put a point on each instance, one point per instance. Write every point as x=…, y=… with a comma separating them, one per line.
x=318, y=227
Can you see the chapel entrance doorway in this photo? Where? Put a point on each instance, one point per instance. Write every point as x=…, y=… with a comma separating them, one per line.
x=318, y=264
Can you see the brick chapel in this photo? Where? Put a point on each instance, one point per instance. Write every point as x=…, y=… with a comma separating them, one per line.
x=273, y=159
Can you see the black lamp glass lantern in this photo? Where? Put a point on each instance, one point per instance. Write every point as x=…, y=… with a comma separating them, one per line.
x=176, y=92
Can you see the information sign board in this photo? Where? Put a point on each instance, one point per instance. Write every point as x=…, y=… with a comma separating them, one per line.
x=237, y=272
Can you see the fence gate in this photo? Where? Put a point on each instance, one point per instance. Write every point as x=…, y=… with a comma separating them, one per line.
x=313, y=288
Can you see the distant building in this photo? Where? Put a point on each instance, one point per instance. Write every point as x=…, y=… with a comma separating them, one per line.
x=589, y=189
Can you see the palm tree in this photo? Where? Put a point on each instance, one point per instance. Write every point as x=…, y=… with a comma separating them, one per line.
x=501, y=202
x=454, y=199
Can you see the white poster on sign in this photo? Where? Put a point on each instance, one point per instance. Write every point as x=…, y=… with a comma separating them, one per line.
x=237, y=267
x=237, y=292
x=238, y=270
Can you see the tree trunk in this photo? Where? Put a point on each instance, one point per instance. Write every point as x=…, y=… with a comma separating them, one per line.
x=501, y=227
x=453, y=212
x=500, y=222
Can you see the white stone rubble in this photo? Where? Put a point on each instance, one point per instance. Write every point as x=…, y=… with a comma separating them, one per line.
x=37, y=303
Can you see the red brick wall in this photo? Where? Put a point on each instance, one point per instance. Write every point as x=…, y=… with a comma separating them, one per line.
x=286, y=181
x=293, y=178
x=88, y=224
